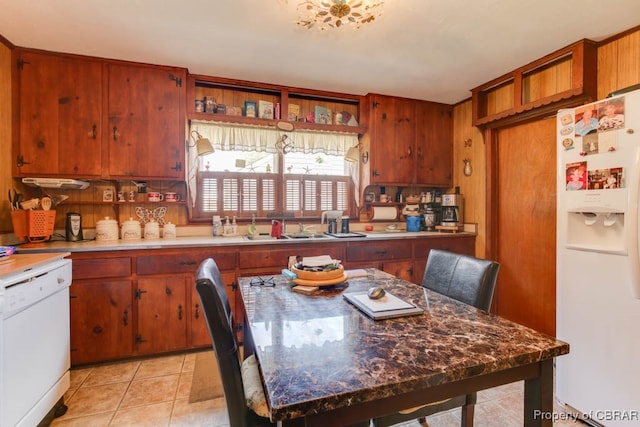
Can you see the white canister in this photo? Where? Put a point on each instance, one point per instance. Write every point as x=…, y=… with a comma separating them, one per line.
x=169, y=231
x=152, y=230
x=131, y=230
x=107, y=229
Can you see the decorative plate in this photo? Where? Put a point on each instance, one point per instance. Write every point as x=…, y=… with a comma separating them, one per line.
x=320, y=283
x=318, y=275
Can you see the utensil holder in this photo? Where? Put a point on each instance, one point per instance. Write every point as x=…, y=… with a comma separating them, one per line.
x=33, y=226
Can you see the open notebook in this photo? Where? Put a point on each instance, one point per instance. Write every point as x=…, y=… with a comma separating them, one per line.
x=387, y=307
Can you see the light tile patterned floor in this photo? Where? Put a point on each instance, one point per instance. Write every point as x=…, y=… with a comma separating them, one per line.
x=155, y=392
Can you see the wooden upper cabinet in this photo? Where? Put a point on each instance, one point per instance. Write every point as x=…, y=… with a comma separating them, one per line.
x=60, y=115
x=92, y=118
x=146, y=122
x=411, y=142
x=566, y=77
x=434, y=144
x=393, y=140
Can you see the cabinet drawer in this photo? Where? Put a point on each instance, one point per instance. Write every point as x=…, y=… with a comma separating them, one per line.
x=464, y=245
x=280, y=257
x=94, y=268
x=183, y=262
x=379, y=251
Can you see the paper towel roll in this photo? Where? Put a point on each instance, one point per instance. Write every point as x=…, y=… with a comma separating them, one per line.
x=384, y=213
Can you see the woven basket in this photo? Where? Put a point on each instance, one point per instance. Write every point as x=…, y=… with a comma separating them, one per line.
x=33, y=226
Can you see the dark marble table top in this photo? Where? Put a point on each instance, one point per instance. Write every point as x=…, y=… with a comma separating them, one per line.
x=318, y=352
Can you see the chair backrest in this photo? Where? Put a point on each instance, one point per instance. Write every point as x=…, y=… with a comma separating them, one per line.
x=217, y=312
x=465, y=278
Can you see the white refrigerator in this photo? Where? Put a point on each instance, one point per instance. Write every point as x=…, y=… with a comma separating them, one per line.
x=598, y=267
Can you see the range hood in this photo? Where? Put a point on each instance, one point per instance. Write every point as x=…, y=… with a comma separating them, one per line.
x=66, y=183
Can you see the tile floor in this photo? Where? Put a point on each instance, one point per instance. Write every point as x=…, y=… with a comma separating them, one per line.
x=155, y=392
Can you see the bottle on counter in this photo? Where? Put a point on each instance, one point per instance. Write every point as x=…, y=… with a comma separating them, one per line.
x=234, y=227
x=252, y=227
x=226, y=230
x=217, y=225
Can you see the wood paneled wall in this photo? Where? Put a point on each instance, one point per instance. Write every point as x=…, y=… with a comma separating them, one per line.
x=468, y=143
x=5, y=138
x=619, y=64
x=618, y=67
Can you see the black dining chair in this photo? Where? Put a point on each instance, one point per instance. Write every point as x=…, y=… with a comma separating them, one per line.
x=469, y=280
x=241, y=382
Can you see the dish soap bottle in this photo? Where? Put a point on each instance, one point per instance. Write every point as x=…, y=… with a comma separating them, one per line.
x=216, y=225
x=252, y=227
x=234, y=227
x=227, y=227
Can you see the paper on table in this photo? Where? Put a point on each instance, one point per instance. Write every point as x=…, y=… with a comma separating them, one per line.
x=318, y=261
x=360, y=272
x=386, y=303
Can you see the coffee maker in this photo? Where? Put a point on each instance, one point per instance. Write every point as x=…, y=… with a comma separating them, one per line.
x=452, y=210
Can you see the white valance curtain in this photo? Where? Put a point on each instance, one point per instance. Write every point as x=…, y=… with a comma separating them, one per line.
x=240, y=137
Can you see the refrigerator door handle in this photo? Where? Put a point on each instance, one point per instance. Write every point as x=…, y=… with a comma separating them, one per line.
x=633, y=221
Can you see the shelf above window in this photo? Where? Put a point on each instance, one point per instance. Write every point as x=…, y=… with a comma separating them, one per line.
x=292, y=105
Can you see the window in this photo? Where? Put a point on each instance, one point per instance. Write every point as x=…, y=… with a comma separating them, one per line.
x=265, y=172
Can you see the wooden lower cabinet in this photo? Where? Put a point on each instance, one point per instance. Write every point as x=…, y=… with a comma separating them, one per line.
x=401, y=269
x=404, y=258
x=169, y=310
x=199, y=330
x=101, y=308
x=101, y=320
x=143, y=302
x=272, y=261
x=464, y=245
x=162, y=314
x=394, y=257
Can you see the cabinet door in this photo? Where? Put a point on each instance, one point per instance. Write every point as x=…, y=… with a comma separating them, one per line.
x=101, y=327
x=401, y=269
x=162, y=314
x=379, y=251
x=199, y=331
x=392, y=140
x=60, y=116
x=268, y=259
x=434, y=144
x=146, y=127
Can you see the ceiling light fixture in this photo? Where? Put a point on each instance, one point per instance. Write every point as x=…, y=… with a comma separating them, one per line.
x=202, y=144
x=325, y=14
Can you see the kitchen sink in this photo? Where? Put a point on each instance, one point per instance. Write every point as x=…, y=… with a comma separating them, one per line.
x=305, y=235
x=259, y=237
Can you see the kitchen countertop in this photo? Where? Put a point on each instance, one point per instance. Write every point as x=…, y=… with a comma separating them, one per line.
x=21, y=262
x=206, y=241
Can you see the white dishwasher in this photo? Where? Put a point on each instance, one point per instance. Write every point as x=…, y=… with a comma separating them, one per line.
x=34, y=337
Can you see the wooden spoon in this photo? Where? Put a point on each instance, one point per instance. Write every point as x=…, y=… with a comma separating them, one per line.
x=45, y=202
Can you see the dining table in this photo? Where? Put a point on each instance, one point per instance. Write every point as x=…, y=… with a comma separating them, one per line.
x=324, y=361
